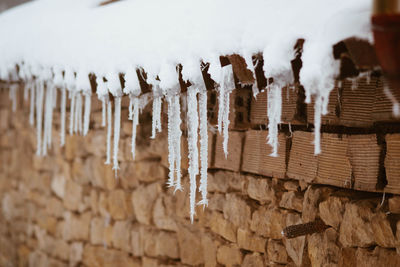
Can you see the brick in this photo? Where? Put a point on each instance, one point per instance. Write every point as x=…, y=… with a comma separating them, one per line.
x=258, y=112
x=334, y=166
x=256, y=155
x=302, y=161
x=356, y=103
x=392, y=163
x=239, y=109
x=233, y=160
x=382, y=110
x=364, y=156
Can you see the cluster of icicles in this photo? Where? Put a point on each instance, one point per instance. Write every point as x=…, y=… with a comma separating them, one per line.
x=42, y=91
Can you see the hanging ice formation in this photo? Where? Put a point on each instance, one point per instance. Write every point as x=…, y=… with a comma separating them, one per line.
x=193, y=126
x=274, y=109
x=114, y=86
x=132, y=88
x=203, y=146
x=157, y=101
x=227, y=84
x=70, y=84
x=83, y=85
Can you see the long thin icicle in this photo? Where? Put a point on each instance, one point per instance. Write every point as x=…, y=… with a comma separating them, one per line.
x=193, y=126
x=156, y=122
x=63, y=108
x=117, y=128
x=79, y=105
x=225, y=89
x=86, y=121
x=71, y=112
x=109, y=129
x=47, y=114
x=39, y=116
x=177, y=133
x=274, y=116
x=135, y=123
x=203, y=147
x=171, y=148
x=32, y=105
x=13, y=96
x=317, y=125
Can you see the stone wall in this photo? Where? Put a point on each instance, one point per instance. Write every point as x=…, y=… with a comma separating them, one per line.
x=69, y=209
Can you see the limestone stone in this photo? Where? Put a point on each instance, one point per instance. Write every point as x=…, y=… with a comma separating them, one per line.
x=75, y=253
x=190, y=247
x=229, y=255
x=101, y=175
x=143, y=199
x=94, y=141
x=118, y=205
x=322, y=248
x=101, y=256
x=218, y=182
x=94, y=206
x=276, y=251
x=54, y=207
x=60, y=249
x=356, y=229
x=76, y=227
x=216, y=201
x=78, y=172
x=72, y=195
x=49, y=223
x=394, y=204
x=148, y=241
x=121, y=235
x=58, y=185
x=161, y=217
x=209, y=250
x=295, y=246
x=291, y=185
x=253, y=260
x=149, y=262
x=247, y=241
x=377, y=257
x=144, y=171
x=261, y=189
x=268, y=222
x=237, y=211
x=291, y=200
x=331, y=210
x=222, y=227
x=383, y=233
x=312, y=197
x=167, y=245
x=136, y=243
x=101, y=232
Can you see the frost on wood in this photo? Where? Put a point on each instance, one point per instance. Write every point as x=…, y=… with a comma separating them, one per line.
x=225, y=89
x=274, y=108
x=193, y=126
x=203, y=146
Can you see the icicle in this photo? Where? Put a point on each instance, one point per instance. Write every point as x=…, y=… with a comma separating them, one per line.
x=130, y=108
x=171, y=148
x=135, y=123
x=117, y=128
x=109, y=127
x=203, y=147
x=13, y=96
x=103, y=111
x=47, y=119
x=63, y=107
x=86, y=121
x=274, y=116
x=39, y=116
x=225, y=119
x=317, y=125
x=71, y=112
x=353, y=83
x=193, y=125
x=177, y=133
x=156, y=122
x=32, y=105
x=225, y=89
x=78, y=114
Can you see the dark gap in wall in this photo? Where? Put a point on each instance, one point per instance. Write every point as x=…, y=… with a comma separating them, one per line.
x=382, y=180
